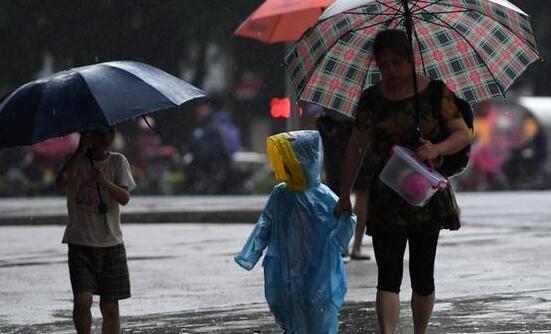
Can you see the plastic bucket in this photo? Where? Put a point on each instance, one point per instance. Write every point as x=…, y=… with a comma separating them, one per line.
x=410, y=178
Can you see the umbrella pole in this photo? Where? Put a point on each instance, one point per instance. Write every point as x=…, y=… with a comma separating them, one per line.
x=409, y=31
x=293, y=122
x=102, y=207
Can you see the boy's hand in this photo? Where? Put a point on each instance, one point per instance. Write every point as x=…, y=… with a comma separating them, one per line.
x=343, y=205
x=98, y=176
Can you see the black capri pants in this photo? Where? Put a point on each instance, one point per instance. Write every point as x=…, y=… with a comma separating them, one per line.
x=389, y=251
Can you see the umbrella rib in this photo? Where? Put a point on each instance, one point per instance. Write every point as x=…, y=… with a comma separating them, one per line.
x=372, y=14
x=452, y=11
x=443, y=24
x=399, y=23
x=393, y=17
x=427, y=4
x=359, y=12
x=398, y=10
x=279, y=19
x=376, y=24
x=423, y=8
x=419, y=47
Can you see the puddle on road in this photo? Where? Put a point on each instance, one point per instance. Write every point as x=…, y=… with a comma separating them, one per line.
x=529, y=312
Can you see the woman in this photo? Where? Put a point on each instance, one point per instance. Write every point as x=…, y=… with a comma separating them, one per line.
x=388, y=114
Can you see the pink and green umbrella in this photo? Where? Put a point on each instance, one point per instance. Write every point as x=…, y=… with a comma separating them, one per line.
x=477, y=47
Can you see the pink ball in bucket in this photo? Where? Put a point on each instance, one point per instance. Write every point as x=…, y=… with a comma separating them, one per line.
x=415, y=187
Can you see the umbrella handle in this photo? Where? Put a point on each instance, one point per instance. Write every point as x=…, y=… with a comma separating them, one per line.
x=409, y=31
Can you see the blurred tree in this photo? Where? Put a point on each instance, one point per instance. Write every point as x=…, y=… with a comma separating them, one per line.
x=159, y=32
x=78, y=32
x=174, y=35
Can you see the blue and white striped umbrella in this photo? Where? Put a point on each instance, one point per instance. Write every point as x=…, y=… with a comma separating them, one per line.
x=88, y=97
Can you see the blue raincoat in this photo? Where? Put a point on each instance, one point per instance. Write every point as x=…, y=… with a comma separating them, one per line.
x=305, y=279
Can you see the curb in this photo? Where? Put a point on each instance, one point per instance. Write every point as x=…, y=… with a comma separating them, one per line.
x=222, y=217
x=142, y=210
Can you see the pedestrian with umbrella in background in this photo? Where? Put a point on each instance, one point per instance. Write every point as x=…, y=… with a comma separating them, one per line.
x=91, y=100
x=360, y=60
x=276, y=21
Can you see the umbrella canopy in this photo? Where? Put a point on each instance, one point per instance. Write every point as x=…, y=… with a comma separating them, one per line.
x=88, y=97
x=477, y=47
x=281, y=20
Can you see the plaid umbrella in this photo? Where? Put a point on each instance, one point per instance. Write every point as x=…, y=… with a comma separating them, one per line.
x=477, y=47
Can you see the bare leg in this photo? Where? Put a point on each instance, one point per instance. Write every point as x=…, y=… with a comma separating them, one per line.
x=82, y=317
x=111, y=319
x=360, y=208
x=421, y=308
x=388, y=311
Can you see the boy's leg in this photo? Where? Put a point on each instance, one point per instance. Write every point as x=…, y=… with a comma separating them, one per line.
x=111, y=318
x=82, y=317
x=82, y=268
x=114, y=285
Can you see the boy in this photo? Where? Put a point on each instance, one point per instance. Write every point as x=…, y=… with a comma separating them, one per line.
x=97, y=182
x=305, y=280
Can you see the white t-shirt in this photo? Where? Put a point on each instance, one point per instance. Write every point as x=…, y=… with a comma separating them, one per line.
x=87, y=226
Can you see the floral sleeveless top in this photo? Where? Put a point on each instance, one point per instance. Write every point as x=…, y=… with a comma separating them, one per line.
x=394, y=122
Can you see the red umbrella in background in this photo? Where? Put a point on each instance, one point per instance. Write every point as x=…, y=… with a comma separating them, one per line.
x=56, y=148
x=281, y=20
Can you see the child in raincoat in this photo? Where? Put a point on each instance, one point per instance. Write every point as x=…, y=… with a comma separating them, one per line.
x=305, y=280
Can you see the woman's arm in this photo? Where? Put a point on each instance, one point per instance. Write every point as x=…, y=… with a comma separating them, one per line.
x=459, y=137
x=459, y=134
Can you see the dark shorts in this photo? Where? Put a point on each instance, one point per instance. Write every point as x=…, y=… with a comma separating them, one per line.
x=334, y=135
x=101, y=271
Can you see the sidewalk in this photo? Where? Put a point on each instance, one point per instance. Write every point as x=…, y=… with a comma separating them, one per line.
x=140, y=210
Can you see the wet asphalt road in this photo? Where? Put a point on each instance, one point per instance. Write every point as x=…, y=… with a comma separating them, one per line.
x=492, y=276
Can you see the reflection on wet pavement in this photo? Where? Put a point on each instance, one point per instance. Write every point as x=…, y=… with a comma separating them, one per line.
x=492, y=314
